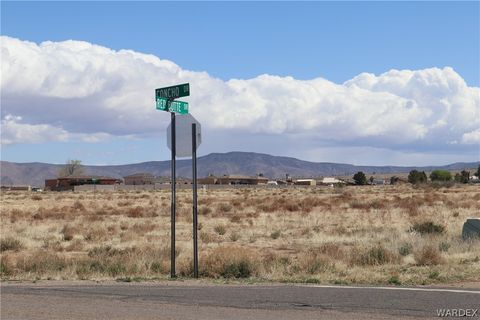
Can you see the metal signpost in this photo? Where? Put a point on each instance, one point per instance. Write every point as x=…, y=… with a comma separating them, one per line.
x=186, y=144
x=164, y=98
x=195, y=213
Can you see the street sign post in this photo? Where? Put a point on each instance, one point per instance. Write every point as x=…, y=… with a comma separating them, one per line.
x=173, y=92
x=194, y=198
x=164, y=98
x=171, y=106
x=183, y=135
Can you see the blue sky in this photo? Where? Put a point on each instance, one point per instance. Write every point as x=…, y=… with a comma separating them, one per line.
x=335, y=41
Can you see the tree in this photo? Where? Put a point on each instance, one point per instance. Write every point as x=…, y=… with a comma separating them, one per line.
x=71, y=168
x=440, y=175
x=478, y=172
x=415, y=177
x=394, y=180
x=360, y=178
x=464, y=176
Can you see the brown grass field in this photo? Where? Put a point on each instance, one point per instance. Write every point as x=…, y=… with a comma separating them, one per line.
x=369, y=235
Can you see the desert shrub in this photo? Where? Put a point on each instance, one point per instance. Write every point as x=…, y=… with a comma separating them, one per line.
x=427, y=227
x=377, y=255
x=428, y=255
x=77, y=205
x=5, y=269
x=43, y=262
x=116, y=269
x=157, y=267
x=332, y=250
x=104, y=251
x=234, y=236
x=225, y=207
x=204, y=210
x=144, y=228
x=96, y=233
x=206, y=237
x=237, y=203
x=405, y=249
x=235, y=218
x=136, y=212
x=444, y=246
x=220, y=229
x=275, y=234
x=10, y=243
x=394, y=280
x=292, y=206
x=231, y=262
x=68, y=232
x=312, y=263
x=76, y=245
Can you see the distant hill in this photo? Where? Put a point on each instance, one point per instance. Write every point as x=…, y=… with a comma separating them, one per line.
x=245, y=163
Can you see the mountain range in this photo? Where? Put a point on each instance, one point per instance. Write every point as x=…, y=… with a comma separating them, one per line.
x=244, y=163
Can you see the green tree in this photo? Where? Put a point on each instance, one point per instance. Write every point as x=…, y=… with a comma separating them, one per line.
x=415, y=177
x=360, y=178
x=440, y=175
x=71, y=168
x=478, y=172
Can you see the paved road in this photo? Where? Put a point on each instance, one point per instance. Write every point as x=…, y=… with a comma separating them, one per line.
x=176, y=300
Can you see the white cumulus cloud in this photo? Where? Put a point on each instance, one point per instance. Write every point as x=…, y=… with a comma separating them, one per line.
x=63, y=90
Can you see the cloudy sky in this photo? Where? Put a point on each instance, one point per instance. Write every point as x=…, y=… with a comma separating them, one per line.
x=363, y=83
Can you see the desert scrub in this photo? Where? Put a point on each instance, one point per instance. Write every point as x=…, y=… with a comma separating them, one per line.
x=377, y=255
x=231, y=262
x=275, y=234
x=428, y=227
x=220, y=229
x=405, y=249
x=10, y=243
x=323, y=239
x=428, y=255
x=225, y=207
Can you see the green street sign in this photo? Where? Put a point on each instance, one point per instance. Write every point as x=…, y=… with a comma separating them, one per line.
x=173, y=92
x=172, y=106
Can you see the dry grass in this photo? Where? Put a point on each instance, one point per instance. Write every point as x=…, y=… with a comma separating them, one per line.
x=387, y=235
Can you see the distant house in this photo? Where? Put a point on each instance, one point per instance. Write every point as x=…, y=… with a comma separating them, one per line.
x=378, y=182
x=139, y=179
x=306, y=182
x=68, y=183
x=17, y=188
x=332, y=181
x=233, y=179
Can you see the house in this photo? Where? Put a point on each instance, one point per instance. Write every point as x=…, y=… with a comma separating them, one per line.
x=233, y=179
x=68, y=183
x=18, y=188
x=331, y=181
x=139, y=179
x=377, y=182
x=306, y=182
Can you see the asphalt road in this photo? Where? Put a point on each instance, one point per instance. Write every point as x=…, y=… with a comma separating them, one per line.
x=176, y=300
